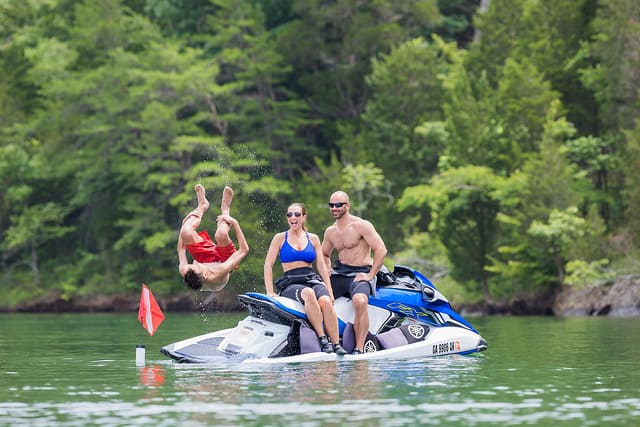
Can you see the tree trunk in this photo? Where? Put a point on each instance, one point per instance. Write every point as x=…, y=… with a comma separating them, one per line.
x=484, y=6
x=34, y=265
x=560, y=269
x=485, y=290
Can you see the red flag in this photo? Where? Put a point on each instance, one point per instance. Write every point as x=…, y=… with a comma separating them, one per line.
x=149, y=313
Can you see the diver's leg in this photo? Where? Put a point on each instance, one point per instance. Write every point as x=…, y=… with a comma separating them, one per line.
x=227, y=198
x=191, y=222
x=222, y=233
x=222, y=230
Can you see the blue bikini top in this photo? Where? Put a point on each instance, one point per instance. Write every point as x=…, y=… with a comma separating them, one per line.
x=290, y=254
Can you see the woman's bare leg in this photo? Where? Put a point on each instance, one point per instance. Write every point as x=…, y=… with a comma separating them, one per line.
x=330, y=319
x=312, y=310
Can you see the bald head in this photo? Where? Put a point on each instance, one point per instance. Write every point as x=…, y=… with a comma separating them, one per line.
x=339, y=205
x=339, y=196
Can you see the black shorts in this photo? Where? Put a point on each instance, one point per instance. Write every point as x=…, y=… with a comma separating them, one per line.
x=294, y=281
x=342, y=281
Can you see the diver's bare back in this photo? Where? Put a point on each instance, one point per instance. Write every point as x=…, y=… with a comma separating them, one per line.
x=349, y=242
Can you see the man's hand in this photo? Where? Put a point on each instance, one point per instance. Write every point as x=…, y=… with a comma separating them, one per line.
x=362, y=277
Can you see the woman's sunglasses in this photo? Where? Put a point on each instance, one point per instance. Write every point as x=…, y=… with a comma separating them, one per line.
x=337, y=204
x=297, y=214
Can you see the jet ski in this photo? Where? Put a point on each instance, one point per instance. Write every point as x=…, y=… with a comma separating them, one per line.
x=409, y=318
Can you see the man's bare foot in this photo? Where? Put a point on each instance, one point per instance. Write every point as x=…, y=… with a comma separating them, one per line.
x=203, y=203
x=227, y=198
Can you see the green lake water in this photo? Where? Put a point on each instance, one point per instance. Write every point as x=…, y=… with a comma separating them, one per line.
x=80, y=370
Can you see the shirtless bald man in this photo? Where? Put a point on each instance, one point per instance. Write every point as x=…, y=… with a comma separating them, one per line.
x=212, y=262
x=354, y=273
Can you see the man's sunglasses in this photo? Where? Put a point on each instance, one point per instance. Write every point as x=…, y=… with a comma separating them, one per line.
x=337, y=204
x=297, y=214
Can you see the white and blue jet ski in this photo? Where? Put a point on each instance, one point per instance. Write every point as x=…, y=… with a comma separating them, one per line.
x=409, y=318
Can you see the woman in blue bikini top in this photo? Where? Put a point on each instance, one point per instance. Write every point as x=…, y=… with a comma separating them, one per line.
x=298, y=249
x=290, y=254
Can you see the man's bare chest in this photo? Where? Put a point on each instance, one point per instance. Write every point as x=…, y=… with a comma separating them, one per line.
x=346, y=239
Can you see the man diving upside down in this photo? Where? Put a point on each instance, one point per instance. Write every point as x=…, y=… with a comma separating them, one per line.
x=213, y=262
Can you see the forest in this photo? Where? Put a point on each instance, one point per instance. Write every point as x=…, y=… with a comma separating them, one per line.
x=494, y=144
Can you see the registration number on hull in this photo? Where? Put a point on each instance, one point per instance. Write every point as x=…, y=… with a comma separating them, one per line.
x=446, y=347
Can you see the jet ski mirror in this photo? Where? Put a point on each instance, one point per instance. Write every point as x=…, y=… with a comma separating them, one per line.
x=428, y=294
x=385, y=277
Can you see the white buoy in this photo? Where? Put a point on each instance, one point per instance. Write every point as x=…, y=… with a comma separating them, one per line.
x=140, y=354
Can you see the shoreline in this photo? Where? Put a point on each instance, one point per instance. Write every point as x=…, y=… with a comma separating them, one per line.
x=620, y=298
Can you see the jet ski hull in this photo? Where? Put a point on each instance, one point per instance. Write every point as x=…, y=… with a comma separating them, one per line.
x=409, y=319
x=440, y=342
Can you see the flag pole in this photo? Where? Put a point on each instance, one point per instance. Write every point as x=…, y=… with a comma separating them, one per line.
x=140, y=351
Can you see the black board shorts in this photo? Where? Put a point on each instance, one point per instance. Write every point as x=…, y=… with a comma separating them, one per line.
x=292, y=283
x=342, y=282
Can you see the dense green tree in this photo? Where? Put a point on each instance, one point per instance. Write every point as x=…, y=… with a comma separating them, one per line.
x=18, y=95
x=135, y=127
x=400, y=129
x=551, y=34
x=552, y=181
x=497, y=32
x=276, y=12
x=558, y=233
x=615, y=76
x=111, y=111
x=495, y=127
x=528, y=258
x=184, y=18
x=330, y=46
x=29, y=224
x=630, y=194
x=596, y=157
x=456, y=20
x=258, y=110
x=546, y=34
x=464, y=207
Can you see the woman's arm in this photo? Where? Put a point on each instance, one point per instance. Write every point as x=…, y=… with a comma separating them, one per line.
x=321, y=265
x=270, y=260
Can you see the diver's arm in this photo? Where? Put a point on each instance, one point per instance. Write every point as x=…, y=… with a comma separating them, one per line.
x=242, y=241
x=182, y=257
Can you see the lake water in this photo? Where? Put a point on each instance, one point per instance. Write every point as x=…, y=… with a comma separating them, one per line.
x=80, y=370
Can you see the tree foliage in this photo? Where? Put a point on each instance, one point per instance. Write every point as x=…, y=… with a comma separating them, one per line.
x=499, y=146
x=464, y=210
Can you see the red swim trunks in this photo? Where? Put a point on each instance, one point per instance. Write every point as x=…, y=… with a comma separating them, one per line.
x=207, y=251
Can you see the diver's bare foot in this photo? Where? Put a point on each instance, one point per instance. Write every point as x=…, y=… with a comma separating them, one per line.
x=203, y=203
x=227, y=198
